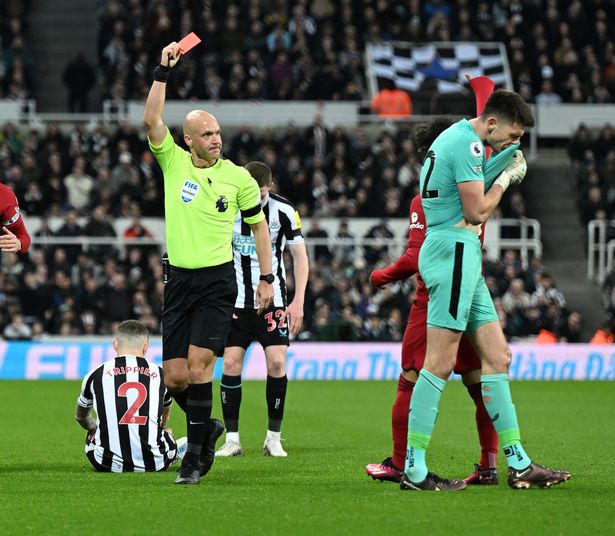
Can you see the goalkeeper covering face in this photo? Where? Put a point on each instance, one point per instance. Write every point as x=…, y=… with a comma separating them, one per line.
x=456, y=202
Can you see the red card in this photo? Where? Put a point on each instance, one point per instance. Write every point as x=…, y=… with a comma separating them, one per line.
x=189, y=42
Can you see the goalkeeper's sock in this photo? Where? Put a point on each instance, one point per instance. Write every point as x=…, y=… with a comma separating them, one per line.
x=487, y=436
x=230, y=395
x=276, y=396
x=198, y=413
x=399, y=420
x=496, y=395
x=423, y=414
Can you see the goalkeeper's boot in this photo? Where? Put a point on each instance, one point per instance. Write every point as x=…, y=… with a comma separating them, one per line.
x=384, y=471
x=432, y=482
x=483, y=476
x=216, y=429
x=535, y=476
x=188, y=473
x=273, y=445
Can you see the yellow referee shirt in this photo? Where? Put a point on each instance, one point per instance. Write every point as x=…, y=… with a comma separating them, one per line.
x=201, y=205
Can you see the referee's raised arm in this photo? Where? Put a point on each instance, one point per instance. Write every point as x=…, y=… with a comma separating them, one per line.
x=154, y=106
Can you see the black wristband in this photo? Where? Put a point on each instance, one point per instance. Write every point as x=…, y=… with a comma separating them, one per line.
x=161, y=73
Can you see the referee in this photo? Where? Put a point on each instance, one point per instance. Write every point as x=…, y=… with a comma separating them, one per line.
x=203, y=194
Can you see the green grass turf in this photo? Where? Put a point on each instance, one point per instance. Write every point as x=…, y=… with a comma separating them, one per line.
x=332, y=430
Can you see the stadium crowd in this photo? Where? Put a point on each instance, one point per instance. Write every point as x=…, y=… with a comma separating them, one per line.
x=558, y=51
x=271, y=50
x=15, y=58
x=99, y=175
x=593, y=162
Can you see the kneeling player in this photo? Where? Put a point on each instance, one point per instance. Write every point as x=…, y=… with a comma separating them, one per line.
x=128, y=395
x=270, y=329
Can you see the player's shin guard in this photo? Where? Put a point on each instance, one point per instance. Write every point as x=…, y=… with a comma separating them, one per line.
x=276, y=396
x=496, y=395
x=230, y=396
x=487, y=436
x=198, y=413
x=399, y=421
x=423, y=415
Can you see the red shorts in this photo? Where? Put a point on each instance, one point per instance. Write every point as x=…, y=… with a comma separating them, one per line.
x=414, y=345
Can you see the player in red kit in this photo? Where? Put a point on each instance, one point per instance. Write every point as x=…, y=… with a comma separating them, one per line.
x=414, y=343
x=14, y=237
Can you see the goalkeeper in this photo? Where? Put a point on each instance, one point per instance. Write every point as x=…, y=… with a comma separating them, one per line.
x=455, y=203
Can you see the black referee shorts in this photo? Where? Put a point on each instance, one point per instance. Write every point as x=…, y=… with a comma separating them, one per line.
x=198, y=306
x=270, y=329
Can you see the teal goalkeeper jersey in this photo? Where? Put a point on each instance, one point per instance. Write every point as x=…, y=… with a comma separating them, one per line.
x=457, y=155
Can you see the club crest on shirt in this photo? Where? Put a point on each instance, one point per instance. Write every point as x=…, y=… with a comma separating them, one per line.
x=189, y=191
x=222, y=203
x=476, y=149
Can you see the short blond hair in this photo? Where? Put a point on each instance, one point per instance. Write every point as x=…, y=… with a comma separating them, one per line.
x=132, y=334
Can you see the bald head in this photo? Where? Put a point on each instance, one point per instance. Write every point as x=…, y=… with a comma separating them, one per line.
x=199, y=120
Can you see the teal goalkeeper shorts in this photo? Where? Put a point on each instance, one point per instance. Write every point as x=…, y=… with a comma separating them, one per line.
x=450, y=263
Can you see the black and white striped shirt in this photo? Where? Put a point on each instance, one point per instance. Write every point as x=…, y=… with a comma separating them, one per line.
x=128, y=395
x=285, y=228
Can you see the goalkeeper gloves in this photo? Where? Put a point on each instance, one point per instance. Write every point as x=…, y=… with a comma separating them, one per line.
x=514, y=172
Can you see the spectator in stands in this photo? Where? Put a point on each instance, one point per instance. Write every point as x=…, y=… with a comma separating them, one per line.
x=391, y=101
x=123, y=172
x=71, y=229
x=379, y=231
x=605, y=334
x=547, y=95
x=580, y=143
x=516, y=299
x=591, y=205
x=79, y=186
x=99, y=226
x=546, y=292
x=345, y=253
x=79, y=78
x=570, y=331
x=17, y=330
x=546, y=335
x=316, y=141
x=321, y=252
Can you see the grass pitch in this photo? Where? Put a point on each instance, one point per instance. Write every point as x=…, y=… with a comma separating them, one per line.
x=332, y=430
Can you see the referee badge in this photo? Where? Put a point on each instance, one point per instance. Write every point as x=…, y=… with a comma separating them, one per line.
x=222, y=203
x=189, y=191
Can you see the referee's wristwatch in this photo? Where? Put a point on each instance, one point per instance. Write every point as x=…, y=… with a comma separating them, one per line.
x=269, y=278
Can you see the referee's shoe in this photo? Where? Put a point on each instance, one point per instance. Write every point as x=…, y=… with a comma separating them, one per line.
x=188, y=474
x=191, y=474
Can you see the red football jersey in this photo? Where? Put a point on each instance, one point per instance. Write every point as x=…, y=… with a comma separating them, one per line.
x=10, y=216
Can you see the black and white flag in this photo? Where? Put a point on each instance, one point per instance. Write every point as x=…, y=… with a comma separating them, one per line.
x=409, y=65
